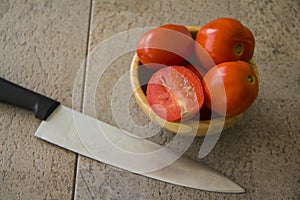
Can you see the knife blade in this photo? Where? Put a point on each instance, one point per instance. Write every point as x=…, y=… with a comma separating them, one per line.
x=100, y=141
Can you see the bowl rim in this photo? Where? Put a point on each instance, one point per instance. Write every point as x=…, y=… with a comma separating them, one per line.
x=184, y=127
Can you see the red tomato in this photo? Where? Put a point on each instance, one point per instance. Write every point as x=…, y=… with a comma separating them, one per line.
x=224, y=39
x=175, y=93
x=169, y=44
x=230, y=88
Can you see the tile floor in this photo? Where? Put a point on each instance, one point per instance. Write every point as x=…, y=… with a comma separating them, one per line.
x=43, y=47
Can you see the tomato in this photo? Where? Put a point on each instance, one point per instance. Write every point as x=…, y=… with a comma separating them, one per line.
x=224, y=39
x=175, y=93
x=230, y=87
x=169, y=44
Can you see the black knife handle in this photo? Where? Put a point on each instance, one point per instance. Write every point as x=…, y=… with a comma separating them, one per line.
x=16, y=95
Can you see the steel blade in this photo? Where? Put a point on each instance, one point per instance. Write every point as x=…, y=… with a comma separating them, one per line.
x=108, y=144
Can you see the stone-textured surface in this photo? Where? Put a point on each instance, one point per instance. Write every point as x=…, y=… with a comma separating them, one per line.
x=42, y=46
x=260, y=152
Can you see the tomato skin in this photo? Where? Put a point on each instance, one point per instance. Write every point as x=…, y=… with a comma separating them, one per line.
x=240, y=83
x=224, y=39
x=175, y=93
x=169, y=45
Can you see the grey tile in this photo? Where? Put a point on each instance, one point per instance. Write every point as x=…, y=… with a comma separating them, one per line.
x=260, y=152
x=42, y=46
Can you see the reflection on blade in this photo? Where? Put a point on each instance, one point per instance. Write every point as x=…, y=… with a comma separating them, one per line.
x=189, y=173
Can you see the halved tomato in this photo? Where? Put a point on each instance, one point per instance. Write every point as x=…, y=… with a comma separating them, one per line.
x=175, y=93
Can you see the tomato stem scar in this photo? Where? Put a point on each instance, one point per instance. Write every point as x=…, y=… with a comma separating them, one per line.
x=238, y=49
x=250, y=79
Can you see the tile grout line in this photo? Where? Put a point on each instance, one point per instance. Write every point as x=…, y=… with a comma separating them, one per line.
x=83, y=92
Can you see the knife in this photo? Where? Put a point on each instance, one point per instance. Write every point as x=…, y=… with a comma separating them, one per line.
x=97, y=140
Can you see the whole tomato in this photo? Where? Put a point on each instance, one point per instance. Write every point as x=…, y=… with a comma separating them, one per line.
x=175, y=93
x=169, y=45
x=224, y=39
x=230, y=87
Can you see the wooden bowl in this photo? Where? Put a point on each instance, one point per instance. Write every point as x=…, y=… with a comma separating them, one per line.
x=190, y=127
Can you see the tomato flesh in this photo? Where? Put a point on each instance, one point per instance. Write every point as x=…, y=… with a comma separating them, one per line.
x=175, y=93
